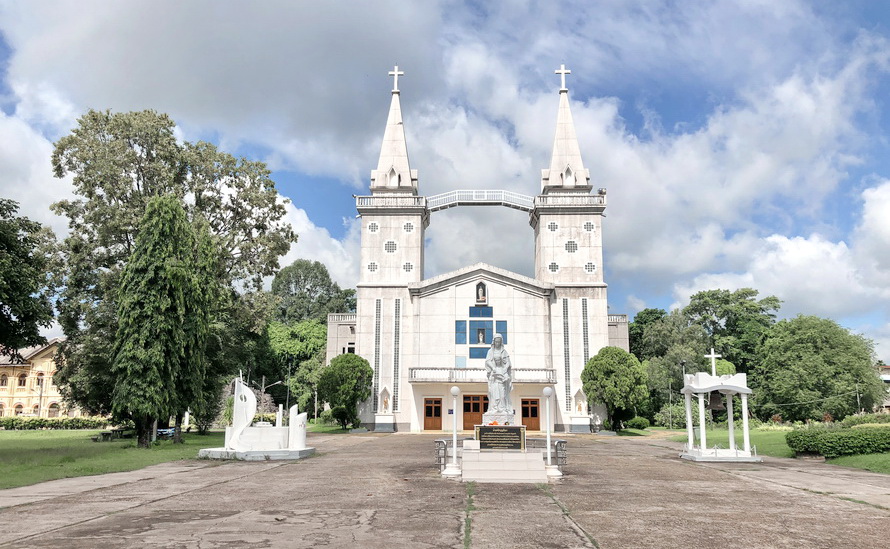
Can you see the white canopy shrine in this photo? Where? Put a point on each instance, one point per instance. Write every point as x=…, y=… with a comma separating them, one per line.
x=701, y=384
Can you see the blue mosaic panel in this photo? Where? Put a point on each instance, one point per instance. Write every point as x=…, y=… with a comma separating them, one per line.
x=481, y=312
x=500, y=327
x=460, y=332
x=478, y=352
x=460, y=362
x=481, y=332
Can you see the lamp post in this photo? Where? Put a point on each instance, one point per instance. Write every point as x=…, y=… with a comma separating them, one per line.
x=547, y=392
x=452, y=470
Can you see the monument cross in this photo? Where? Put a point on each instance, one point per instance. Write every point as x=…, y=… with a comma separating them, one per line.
x=395, y=73
x=713, y=356
x=562, y=72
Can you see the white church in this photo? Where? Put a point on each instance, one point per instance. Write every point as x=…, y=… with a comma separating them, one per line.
x=423, y=336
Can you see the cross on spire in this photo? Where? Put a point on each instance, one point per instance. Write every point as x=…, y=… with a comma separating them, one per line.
x=563, y=71
x=713, y=356
x=395, y=73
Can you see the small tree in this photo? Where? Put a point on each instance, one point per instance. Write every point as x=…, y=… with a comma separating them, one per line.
x=345, y=383
x=617, y=379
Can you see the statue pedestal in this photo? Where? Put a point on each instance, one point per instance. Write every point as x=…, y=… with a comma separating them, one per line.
x=384, y=423
x=489, y=418
x=580, y=424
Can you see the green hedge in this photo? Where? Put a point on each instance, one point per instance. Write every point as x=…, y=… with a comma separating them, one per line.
x=638, y=423
x=839, y=442
x=880, y=417
x=19, y=423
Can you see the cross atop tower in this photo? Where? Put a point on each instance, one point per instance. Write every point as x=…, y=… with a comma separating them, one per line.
x=395, y=73
x=563, y=71
x=713, y=356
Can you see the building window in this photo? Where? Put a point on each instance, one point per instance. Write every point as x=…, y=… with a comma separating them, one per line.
x=2, y=410
x=409, y=227
x=23, y=380
x=460, y=332
x=590, y=267
x=19, y=409
x=390, y=246
x=373, y=227
x=408, y=267
x=553, y=267
x=372, y=266
x=36, y=410
x=589, y=226
x=4, y=381
x=40, y=379
x=571, y=246
x=378, y=313
x=53, y=410
x=396, y=354
x=552, y=226
x=566, y=347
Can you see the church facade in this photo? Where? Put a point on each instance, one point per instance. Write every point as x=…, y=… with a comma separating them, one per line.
x=423, y=336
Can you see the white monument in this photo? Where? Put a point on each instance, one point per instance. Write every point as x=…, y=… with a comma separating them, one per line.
x=701, y=384
x=262, y=442
x=499, y=373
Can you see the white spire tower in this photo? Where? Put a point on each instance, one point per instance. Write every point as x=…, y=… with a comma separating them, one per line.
x=393, y=173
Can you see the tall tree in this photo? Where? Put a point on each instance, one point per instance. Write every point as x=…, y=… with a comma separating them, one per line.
x=158, y=362
x=306, y=292
x=343, y=384
x=737, y=322
x=24, y=284
x=637, y=328
x=616, y=379
x=300, y=349
x=810, y=366
x=119, y=161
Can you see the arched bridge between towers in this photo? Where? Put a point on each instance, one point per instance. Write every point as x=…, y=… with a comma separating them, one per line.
x=509, y=199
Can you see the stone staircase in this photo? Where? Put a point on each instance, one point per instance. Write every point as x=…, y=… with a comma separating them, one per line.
x=503, y=466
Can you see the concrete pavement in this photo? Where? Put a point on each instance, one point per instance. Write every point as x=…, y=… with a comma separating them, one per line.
x=384, y=491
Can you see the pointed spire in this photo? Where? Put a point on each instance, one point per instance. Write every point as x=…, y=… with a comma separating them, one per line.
x=566, y=167
x=393, y=173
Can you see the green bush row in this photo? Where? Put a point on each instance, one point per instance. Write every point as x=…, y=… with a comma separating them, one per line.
x=880, y=417
x=637, y=423
x=870, y=426
x=839, y=442
x=19, y=423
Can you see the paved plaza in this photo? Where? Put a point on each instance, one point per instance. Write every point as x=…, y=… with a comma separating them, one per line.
x=384, y=491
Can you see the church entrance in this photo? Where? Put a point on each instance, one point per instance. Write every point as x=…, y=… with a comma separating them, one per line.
x=474, y=407
x=530, y=417
x=432, y=414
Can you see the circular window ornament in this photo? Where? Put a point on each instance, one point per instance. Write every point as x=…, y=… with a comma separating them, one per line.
x=408, y=227
x=372, y=266
x=552, y=226
x=553, y=268
x=390, y=246
x=590, y=268
x=373, y=227
x=589, y=226
x=408, y=267
x=571, y=246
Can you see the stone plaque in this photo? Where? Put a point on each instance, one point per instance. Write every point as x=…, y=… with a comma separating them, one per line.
x=501, y=437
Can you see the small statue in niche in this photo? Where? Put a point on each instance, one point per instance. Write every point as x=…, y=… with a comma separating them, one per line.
x=385, y=404
x=481, y=293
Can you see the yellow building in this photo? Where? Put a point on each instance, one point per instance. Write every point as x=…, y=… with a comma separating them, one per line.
x=26, y=386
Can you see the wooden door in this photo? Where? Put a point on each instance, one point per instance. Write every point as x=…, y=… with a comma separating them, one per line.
x=432, y=414
x=530, y=416
x=474, y=407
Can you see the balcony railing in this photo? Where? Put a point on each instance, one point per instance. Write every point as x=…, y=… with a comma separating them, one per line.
x=570, y=200
x=390, y=201
x=509, y=199
x=617, y=319
x=477, y=375
x=341, y=317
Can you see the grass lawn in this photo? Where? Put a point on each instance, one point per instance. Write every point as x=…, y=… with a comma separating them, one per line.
x=879, y=463
x=29, y=457
x=768, y=443
x=329, y=428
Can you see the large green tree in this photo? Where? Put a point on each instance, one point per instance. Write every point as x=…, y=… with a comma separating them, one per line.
x=119, y=162
x=300, y=349
x=164, y=306
x=306, y=292
x=616, y=379
x=637, y=328
x=737, y=322
x=344, y=383
x=24, y=284
x=810, y=366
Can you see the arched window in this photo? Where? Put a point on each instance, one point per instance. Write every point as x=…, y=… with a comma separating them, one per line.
x=40, y=379
x=23, y=380
x=19, y=409
x=2, y=410
x=4, y=380
x=53, y=410
x=36, y=410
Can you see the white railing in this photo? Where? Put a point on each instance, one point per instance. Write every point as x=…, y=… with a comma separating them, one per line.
x=617, y=319
x=341, y=317
x=477, y=375
x=570, y=200
x=392, y=201
x=509, y=199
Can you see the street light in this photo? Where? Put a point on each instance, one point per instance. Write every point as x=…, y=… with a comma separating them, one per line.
x=547, y=392
x=452, y=470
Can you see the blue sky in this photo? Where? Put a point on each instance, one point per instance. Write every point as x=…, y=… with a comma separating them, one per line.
x=741, y=143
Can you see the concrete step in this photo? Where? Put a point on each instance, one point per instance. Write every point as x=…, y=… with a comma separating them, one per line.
x=490, y=466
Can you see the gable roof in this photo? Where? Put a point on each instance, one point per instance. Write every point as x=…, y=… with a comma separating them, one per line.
x=481, y=271
x=29, y=353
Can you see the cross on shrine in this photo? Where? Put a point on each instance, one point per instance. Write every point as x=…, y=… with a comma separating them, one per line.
x=713, y=356
x=395, y=73
x=563, y=71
